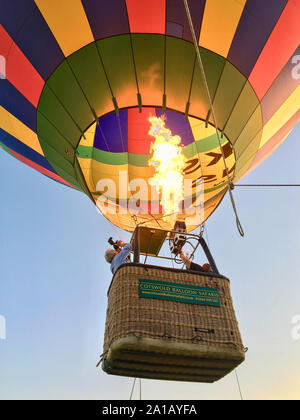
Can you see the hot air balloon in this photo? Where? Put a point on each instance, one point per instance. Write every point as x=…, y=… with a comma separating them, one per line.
x=80, y=82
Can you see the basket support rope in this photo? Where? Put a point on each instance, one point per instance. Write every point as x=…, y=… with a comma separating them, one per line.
x=211, y=110
x=238, y=383
x=140, y=383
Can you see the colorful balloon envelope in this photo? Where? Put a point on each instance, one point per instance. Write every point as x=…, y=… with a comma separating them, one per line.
x=81, y=79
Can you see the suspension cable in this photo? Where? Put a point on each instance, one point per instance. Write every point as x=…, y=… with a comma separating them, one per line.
x=238, y=383
x=132, y=388
x=140, y=388
x=230, y=184
x=206, y=234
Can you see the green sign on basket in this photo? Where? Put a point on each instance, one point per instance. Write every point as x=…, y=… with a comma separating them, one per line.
x=180, y=292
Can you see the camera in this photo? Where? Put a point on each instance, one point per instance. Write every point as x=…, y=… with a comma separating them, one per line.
x=113, y=243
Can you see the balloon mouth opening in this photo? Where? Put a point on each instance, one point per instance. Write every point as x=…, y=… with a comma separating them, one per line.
x=154, y=168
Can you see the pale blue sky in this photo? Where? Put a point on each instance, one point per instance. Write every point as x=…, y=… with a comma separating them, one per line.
x=53, y=285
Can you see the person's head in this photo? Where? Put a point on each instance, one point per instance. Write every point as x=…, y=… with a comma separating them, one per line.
x=184, y=257
x=206, y=267
x=109, y=255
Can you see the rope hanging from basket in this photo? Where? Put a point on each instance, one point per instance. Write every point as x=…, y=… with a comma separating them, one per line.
x=238, y=384
x=132, y=389
x=230, y=184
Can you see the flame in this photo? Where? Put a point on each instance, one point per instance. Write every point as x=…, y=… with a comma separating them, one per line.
x=168, y=161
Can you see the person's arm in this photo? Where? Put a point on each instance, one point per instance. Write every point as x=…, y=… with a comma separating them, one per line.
x=185, y=259
x=126, y=248
x=121, y=257
x=121, y=244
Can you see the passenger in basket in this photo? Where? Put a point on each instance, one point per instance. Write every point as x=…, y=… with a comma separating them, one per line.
x=119, y=256
x=193, y=266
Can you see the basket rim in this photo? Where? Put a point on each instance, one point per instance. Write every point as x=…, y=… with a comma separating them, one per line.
x=176, y=270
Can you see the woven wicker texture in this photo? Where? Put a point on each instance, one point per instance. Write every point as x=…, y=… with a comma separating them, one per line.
x=164, y=339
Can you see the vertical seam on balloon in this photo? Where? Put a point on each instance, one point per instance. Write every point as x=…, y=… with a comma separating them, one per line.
x=165, y=62
x=78, y=83
x=267, y=40
x=104, y=137
x=276, y=144
x=104, y=69
x=219, y=81
x=165, y=45
x=51, y=147
x=281, y=103
x=249, y=144
x=201, y=23
x=66, y=110
x=234, y=104
x=244, y=126
x=248, y=163
x=11, y=121
x=53, y=125
x=132, y=50
x=93, y=156
x=24, y=59
x=93, y=150
x=239, y=226
x=46, y=23
x=13, y=143
x=99, y=55
x=137, y=84
x=84, y=94
x=261, y=116
x=192, y=79
x=134, y=64
x=75, y=157
x=221, y=74
x=189, y=97
x=82, y=179
x=121, y=134
x=14, y=41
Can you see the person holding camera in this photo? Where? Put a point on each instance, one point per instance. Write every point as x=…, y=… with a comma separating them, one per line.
x=117, y=256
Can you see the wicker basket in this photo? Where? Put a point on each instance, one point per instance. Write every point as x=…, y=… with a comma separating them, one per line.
x=168, y=339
